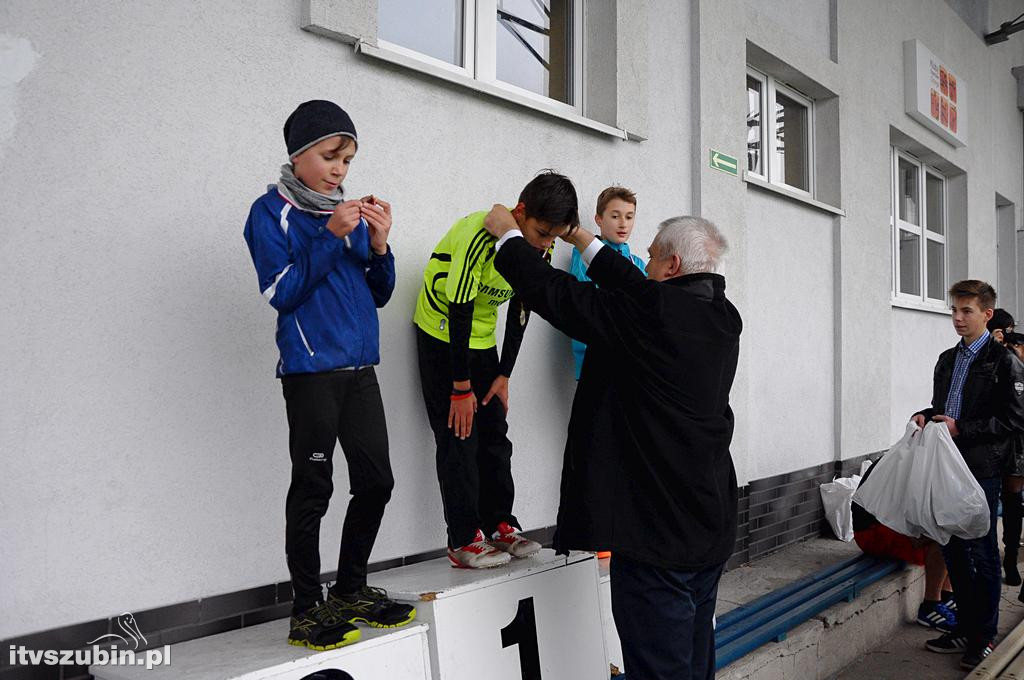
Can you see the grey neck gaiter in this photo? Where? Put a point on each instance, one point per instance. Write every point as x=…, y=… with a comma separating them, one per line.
x=304, y=198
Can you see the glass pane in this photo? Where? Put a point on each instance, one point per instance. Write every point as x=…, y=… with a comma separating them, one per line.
x=936, y=270
x=910, y=263
x=534, y=46
x=908, y=192
x=754, y=125
x=933, y=197
x=791, y=132
x=431, y=27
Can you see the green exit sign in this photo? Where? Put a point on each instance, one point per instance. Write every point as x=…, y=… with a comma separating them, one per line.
x=727, y=164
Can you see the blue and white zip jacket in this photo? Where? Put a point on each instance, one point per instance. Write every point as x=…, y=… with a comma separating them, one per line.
x=326, y=293
x=578, y=268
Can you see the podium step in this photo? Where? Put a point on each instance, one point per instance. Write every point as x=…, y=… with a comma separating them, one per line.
x=262, y=652
x=537, y=617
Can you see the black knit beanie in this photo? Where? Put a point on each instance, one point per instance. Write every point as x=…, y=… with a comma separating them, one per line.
x=315, y=121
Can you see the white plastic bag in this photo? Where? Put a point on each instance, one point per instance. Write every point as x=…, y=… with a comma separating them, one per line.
x=837, y=496
x=922, y=487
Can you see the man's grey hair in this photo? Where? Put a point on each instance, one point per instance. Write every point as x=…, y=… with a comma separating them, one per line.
x=696, y=241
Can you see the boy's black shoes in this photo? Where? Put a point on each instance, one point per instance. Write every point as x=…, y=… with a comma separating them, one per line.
x=949, y=643
x=321, y=629
x=975, y=656
x=371, y=606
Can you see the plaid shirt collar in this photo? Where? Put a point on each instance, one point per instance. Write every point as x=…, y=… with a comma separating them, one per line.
x=975, y=346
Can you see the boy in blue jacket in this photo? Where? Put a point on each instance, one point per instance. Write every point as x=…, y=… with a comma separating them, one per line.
x=325, y=265
x=616, y=211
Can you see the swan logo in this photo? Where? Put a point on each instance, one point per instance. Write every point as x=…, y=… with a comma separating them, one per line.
x=120, y=648
x=126, y=622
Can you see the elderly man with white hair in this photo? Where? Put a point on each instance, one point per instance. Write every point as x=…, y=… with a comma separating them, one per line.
x=647, y=471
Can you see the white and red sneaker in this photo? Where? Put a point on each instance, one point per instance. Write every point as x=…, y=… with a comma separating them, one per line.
x=507, y=539
x=477, y=555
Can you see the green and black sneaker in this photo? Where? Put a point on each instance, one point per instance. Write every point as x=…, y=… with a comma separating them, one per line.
x=371, y=606
x=321, y=629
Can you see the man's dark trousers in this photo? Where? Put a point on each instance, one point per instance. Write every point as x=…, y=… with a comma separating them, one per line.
x=974, y=571
x=343, y=406
x=475, y=473
x=665, y=620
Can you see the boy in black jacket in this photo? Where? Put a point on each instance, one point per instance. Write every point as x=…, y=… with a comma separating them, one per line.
x=977, y=393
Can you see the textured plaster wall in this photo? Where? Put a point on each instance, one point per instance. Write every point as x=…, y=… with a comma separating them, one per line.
x=789, y=255
x=917, y=341
x=143, y=438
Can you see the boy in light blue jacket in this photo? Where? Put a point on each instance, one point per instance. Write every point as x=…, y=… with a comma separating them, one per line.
x=325, y=266
x=616, y=211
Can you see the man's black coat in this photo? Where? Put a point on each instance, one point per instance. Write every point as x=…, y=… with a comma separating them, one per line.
x=647, y=471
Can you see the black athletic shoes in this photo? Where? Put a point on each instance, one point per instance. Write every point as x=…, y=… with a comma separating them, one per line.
x=321, y=629
x=371, y=606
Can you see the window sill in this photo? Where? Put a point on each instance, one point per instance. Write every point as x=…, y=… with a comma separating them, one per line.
x=920, y=306
x=794, y=195
x=411, y=62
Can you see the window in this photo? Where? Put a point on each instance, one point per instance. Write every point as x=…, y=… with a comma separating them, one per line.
x=779, y=147
x=918, y=223
x=533, y=47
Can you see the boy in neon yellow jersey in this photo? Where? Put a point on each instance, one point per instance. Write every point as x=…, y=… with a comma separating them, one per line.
x=456, y=315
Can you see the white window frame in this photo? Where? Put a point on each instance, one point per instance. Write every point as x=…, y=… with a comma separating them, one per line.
x=771, y=160
x=480, y=58
x=923, y=233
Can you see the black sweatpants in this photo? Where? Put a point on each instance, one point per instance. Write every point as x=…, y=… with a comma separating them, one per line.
x=475, y=473
x=1012, y=520
x=343, y=406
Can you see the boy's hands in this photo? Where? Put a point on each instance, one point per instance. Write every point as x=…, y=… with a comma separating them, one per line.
x=345, y=219
x=950, y=423
x=460, y=413
x=377, y=214
x=499, y=389
x=954, y=431
x=499, y=221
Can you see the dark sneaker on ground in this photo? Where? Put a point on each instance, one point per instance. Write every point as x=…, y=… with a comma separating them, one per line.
x=936, y=615
x=321, y=629
x=1012, y=577
x=948, y=643
x=371, y=606
x=974, y=657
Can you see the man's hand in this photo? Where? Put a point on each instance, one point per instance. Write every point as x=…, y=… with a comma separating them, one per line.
x=460, y=413
x=499, y=221
x=377, y=214
x=499, y=389
x=578, y=238
x=950, y=423
x=918, y=419
x=345, y=219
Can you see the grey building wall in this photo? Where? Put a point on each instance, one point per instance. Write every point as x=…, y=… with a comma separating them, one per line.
x=144, y=438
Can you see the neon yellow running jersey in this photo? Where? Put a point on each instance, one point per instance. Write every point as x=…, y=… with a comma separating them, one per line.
x=460, y=270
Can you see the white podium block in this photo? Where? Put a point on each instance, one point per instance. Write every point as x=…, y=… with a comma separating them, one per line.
x=262, y=652
x=536, y=619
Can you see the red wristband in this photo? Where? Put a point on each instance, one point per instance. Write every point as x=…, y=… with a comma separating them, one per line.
x=458, y=397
